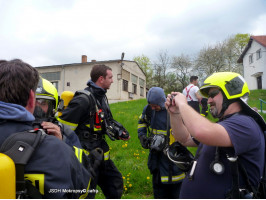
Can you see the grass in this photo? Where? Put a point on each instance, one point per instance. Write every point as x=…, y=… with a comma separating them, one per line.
x=129, y=156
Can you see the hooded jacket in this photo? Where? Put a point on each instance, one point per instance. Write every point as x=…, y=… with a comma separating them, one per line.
x=53, y=168
x=158, y=125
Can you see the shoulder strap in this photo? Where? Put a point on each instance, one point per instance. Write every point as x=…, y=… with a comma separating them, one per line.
x=20, y=147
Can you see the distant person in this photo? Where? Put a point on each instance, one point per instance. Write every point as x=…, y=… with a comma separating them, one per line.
x=191, y=93
x=53, y=167
x=152, y=128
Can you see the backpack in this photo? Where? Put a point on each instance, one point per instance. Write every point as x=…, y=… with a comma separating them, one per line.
x=20, y=147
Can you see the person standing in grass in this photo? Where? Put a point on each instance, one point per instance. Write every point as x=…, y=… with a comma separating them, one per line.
x=152, y=130
x=191, y=93
x=229, y=162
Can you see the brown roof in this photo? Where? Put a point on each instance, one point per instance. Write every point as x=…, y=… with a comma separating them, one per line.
x=261, y=39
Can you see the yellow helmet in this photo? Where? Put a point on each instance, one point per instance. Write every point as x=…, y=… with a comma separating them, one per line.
x=232, y=84
x=46, y=99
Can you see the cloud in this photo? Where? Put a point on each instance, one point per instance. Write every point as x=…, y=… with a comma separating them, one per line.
x=47, y=32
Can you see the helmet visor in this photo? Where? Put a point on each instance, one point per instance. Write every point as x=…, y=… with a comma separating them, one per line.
x=44, y=108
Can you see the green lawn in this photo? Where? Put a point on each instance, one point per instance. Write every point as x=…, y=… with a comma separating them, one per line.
x=131, y=159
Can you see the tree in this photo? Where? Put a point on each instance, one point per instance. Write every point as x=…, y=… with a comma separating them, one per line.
x=145, y=64
x=182, y=66
x=160, y=69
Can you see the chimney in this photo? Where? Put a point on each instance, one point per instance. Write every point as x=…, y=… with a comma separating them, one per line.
x=83, y=59
x=93, y=60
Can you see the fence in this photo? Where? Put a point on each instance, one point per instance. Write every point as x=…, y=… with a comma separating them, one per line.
x=261, y=102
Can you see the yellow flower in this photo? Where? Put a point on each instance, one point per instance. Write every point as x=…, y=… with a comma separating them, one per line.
x=124, y=177
x=130, y=185
x=125, y=145
x=148, y=178
x=126, y=189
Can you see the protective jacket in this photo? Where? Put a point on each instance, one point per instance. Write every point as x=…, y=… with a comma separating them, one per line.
x=83, y=116
x=153, y=122
x=80, y=116
x=53, y=167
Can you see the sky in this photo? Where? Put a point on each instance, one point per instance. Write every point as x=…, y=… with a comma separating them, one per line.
x=54, y=32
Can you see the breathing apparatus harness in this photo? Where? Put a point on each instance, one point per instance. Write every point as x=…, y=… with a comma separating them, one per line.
x=100, y=119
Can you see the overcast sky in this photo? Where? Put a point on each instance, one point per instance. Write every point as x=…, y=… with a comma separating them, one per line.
x=52, y=32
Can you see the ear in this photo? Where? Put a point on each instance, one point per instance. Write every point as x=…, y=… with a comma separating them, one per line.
x=31, y=102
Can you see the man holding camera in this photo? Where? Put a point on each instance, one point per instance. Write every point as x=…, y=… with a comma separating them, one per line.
x=230, y=158
x=154, y=135
x=89, y=115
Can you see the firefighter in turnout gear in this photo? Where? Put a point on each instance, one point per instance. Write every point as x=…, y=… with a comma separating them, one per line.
x=51, y=170
x=152, y=133
x=89, y=115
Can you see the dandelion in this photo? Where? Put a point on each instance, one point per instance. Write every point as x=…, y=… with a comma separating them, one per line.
x=148, y=178
x=124, y=177
x=123, y=146
x=128, y=179
x=130, y=185
x=126, y=145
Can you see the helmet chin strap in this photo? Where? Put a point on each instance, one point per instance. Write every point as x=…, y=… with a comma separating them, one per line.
x=225, y=105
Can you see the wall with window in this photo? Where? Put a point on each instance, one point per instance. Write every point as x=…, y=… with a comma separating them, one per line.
x=127, y=80
x=254, y=63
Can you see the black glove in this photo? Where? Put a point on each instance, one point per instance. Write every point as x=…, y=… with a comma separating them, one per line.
x=145, y=142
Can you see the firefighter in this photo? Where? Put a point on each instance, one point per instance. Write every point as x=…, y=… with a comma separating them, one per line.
x=88, y=114
x=152, y=132
x=52, y=168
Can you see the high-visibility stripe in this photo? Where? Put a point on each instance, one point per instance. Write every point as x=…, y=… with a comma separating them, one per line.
x=142, y=126
x=83, y=196
x=107, y=155
x=78, y=153
x=73, y=126
x=174, y=178
x=155, y=131
x=95, y=129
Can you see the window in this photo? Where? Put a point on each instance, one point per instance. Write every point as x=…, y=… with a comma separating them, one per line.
x=55, y=83
x=125, y=85
x=68, y=83
x=251, y=58
x=141, y=91
x=141, y=82
x=134, y=88
x=51, y=76
x=258, y=54
x=134, y=79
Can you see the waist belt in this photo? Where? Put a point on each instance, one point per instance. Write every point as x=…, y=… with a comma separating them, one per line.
x=93, y=136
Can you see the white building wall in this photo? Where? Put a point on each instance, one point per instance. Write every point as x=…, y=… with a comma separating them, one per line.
x=250, y=69
x=75, y=77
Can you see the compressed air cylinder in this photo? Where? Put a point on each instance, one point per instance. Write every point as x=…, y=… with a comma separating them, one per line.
x=7, y=177
x=65, y=98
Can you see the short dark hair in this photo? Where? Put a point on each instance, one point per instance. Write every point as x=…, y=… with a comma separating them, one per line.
x=17, y=78
x=193, y=78
x=99, y=70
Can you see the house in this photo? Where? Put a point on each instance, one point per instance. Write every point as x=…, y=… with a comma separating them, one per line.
x=254, y=62
x=129, y=79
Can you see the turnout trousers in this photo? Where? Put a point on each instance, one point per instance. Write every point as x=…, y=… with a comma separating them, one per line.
x=164, y=191
x=109, y=180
